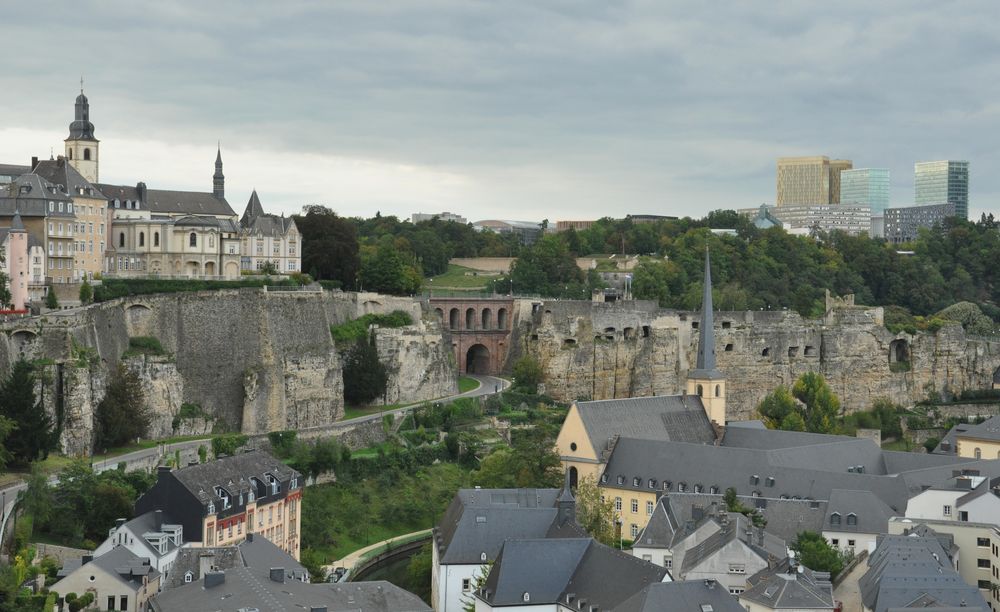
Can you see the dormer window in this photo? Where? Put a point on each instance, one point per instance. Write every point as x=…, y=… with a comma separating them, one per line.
x=621, y=480
x=852, y=519
x=604, y=479
x=681, y=487
x=666, y=485
x=211, y=508
x=769, y=482
x=188, y=577
x=755, y=479
x=635, y=482
x=835, y=518
x=224, y=495
x=652, y=483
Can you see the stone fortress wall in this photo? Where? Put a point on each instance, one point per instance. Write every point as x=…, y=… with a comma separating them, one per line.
x=626, y=349
x=254, y=360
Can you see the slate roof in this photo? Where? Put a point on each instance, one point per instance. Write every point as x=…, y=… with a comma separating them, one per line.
x=724, y=467
x=120, y=562
x=479, y=520
x=687, y=596
x=61, y=172
x=171, y=202
x=662, y=530
x=34, y=203
x=786, y=518
x=550, y=570
x=256, y=552
x=149, y=522
x=784, y=586
x=232, y=473
x=735, y=528
x=870, y=512
x=662, y=417
x=13, y=170
x=906, y=569
x=987, y=430
x=247, y=588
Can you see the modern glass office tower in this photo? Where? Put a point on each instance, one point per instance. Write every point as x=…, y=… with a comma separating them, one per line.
x=938, y=182
x=810, y=180
x=866, y=186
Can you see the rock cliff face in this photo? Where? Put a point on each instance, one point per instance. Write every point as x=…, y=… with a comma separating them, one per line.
x=254, y=360
x=599, y=351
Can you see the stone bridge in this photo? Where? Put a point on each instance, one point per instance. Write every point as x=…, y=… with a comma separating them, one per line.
x=479, y=329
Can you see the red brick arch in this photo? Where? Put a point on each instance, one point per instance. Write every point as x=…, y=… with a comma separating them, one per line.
x=479, y=330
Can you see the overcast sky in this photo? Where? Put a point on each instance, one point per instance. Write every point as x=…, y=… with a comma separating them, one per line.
x=566, y=109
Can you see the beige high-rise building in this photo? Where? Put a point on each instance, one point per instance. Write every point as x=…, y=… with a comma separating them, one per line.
x=810, y=180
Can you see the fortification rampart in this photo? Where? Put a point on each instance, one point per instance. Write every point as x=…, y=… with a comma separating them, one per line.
x=600, y=350
x=254, y=360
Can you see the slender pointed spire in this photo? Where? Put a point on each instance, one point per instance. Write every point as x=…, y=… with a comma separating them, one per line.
x=219, y=179
x=705, y=366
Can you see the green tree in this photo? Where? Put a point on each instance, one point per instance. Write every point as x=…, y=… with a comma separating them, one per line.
x=822, y=405
x=527, y=374
x=530, y=463
x=329, y=246
x=548, y=268
x=122, y=416
x=51, y=301
x=365, y=377
x=228, y=444
x=776, y=407
x=86, y=292
x=34, y=434
x=593, y=513
x=814, y=552
x=385, y=271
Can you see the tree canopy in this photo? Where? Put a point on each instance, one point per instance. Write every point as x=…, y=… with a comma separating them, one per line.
x=816, y=410
x=122, y=416
x=31, y=432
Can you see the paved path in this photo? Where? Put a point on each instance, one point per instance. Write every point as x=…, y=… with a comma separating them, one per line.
x=488, y=385
x=849, y=591
x=352, y=559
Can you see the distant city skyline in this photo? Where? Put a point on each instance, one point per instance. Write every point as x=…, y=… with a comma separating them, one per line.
x=524, y=111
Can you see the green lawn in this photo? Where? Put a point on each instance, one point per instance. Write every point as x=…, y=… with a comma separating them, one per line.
x=467, y=384
x=459, y=277
x=898, y=445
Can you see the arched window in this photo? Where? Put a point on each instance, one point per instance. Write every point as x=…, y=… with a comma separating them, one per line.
x=142, y=238
x=156, y=239
x=835, y=518
x=121, y=239
x=86, y=154
x=718, y=390
x=193, y=239
x=71, y=153
x=701, y=391
x=979, y=453
x=211, y=240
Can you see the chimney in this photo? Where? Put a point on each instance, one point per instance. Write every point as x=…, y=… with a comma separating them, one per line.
x=214, y=579
x=34, y=162
x=158, y=519
x=278, y=574
x=206, y=562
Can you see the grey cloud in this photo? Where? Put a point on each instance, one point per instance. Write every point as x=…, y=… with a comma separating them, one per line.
x=561, y=107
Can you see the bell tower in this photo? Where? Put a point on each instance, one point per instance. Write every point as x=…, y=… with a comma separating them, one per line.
x=705, y=380
x=81, y=146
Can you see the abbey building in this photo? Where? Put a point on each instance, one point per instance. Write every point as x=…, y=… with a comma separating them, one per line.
x=80, y=227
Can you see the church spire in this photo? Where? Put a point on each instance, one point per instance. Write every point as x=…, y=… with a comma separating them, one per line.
x=705, y=380
x=706, y=331
x=219, y=179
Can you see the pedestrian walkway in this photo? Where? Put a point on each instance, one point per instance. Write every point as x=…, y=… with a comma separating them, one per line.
x=352, y=559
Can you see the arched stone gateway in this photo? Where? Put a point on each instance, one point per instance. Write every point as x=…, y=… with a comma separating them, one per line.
x=477, y=360
x=477, y=321
x=899, y=355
